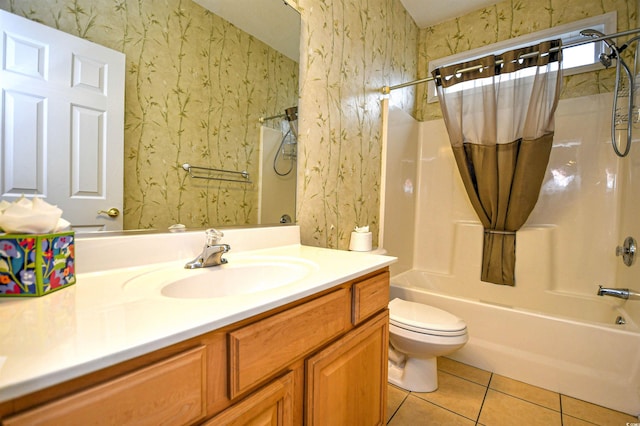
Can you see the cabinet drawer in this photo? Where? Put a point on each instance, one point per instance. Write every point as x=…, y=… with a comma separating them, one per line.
x=169, y=391
x=260, y=349
x=370, y=296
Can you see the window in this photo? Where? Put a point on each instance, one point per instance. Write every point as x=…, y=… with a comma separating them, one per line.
x=575, y=60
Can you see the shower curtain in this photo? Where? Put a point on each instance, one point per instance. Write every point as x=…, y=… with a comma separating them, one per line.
x=500, y=123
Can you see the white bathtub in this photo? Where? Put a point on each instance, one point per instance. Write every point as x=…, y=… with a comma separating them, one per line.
x=571, y=345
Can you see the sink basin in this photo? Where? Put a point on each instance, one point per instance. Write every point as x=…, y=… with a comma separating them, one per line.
x=239, y=276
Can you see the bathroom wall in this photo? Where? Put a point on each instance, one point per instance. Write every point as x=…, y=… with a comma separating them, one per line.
x=188, y=77
x=627, y=277
x=353, y=48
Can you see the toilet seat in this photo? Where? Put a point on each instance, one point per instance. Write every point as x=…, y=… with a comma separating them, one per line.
x=424, y=319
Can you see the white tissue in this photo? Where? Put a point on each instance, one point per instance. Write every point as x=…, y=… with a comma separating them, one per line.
x=361, y=239
x=31, y=217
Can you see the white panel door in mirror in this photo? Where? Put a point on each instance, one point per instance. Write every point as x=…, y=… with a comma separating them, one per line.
x=63, y=114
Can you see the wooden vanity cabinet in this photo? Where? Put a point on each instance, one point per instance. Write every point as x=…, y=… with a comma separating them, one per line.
x=319, y=360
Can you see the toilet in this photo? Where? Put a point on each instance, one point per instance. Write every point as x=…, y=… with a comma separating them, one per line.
x=418, y=334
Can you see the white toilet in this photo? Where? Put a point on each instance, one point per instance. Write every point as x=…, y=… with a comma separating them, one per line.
x=417, y=335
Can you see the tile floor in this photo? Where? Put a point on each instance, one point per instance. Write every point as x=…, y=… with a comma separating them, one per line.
x=469, y=396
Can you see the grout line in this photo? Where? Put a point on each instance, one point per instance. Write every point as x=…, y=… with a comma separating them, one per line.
x=465, y=378
x=399, y=405
x=441, y=407
x=484, y=398
x=528, y=401
x=560, y=404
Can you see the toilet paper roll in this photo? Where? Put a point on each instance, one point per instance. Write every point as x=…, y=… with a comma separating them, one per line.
x=361, y=241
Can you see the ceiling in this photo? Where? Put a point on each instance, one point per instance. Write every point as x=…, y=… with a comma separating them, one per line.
x=430, y=12
x=272, y=21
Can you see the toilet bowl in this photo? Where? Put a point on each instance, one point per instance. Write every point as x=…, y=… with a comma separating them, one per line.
x=418, y=334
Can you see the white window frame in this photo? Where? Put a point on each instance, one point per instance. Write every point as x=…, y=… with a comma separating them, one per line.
x=570, y=32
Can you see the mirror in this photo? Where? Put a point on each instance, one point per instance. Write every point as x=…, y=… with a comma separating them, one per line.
x=196, y=87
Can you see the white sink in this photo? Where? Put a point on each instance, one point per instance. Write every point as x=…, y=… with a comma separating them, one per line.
x=239, y=276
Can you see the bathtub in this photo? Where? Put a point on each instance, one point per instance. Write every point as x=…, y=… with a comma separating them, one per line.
x=567, y=343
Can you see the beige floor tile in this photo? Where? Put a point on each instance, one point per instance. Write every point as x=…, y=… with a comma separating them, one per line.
x=522, y=390
x=456, y=394
x=501, y=409
x=395, y=397
x=594, y=413
x=415, y=411
x=463, y=370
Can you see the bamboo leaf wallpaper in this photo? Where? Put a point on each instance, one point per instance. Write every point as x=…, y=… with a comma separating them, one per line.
x=194, y=91
x=352, y=48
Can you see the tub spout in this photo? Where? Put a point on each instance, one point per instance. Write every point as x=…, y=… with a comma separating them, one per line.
x=621, y=293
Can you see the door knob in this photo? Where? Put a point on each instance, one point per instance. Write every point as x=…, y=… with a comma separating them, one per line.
x=112, y=212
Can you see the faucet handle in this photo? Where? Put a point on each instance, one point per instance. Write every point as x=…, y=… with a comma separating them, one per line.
x=213, y=236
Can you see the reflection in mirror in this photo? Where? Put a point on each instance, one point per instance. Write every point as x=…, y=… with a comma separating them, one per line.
x=196, y=87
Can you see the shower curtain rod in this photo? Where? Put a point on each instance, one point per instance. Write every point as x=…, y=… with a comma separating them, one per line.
x=387, y=89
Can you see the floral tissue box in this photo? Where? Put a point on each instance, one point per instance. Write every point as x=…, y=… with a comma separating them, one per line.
x=36, y=264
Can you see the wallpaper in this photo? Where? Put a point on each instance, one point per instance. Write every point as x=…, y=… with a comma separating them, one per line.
x=195, y=89
x=514, y=18
x=352, y=48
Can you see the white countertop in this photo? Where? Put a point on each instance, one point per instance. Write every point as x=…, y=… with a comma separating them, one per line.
x=104, y=319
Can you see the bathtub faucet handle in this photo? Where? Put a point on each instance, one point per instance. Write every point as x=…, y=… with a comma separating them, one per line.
x=627, y=251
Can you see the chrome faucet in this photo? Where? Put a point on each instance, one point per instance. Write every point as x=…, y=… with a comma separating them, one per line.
x=622, y=293
x=211, y=253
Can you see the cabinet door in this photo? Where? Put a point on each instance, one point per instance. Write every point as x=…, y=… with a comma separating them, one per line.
x=271, y=405
x=346, y=382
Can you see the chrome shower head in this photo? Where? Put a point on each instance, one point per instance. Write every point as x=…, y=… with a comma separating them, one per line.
x=605, y=59
x=590, y=32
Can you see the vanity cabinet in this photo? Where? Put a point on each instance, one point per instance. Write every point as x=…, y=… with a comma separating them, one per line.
x=319, y=360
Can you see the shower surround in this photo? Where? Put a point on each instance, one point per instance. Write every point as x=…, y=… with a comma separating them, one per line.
x=561, y=336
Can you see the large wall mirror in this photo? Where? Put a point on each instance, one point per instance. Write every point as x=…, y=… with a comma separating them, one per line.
x=209, y=83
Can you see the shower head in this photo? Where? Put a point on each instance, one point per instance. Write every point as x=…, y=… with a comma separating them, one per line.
x=590, y=32
x=605, y=59
x=291, y=113
x=292, y=117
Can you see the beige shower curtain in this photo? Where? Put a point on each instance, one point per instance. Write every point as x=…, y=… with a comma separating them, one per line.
x=501, y=126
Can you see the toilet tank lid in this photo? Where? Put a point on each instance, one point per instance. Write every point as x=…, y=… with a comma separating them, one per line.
x=423, y=316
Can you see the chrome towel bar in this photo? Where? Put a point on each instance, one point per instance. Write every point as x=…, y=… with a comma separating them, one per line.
x=216, y=174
